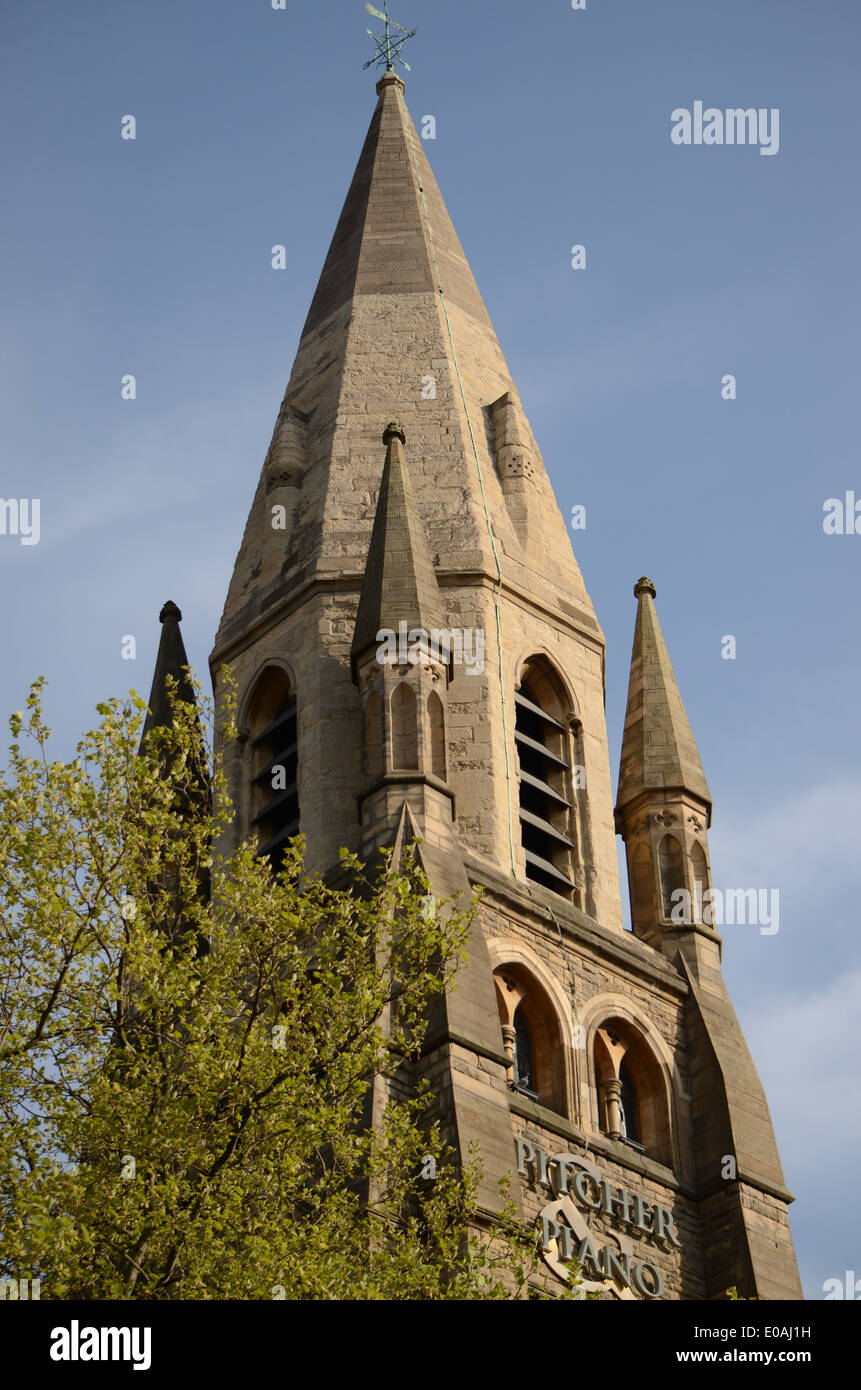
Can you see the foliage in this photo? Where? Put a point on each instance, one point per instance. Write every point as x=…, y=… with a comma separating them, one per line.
x=187, y=1076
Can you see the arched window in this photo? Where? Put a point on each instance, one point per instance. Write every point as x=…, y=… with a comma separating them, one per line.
x=631, y=1093
x=405, y=750
x=274, y=747
x=672, y=868
x=700, y=875
x=436, y=729
x=531, y=1037
x=545, y=791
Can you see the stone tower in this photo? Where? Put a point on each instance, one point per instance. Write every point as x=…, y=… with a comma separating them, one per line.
x=415, y=648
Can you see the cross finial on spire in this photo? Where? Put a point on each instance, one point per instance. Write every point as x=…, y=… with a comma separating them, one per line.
x=388, y=47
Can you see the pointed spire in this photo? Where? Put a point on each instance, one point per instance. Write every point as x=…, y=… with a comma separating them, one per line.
x=397, y=325
x=658, y=747
x=171, y=661
x=400, y=584
x=394, y=235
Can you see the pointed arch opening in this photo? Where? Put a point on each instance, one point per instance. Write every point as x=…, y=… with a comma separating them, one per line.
x=671, y=865
x=700, y=876
x=546, y=784
x=405, y=744
x=272, y=719
x=631, y=1099
x=641, y=878
x=436, y=731
x=532, y=1036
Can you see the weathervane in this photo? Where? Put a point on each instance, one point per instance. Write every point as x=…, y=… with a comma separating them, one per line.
x=388, y=47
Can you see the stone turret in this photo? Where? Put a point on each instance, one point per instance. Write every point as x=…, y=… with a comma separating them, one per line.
x=663, y=811
x=401, y=661
x=663, y=805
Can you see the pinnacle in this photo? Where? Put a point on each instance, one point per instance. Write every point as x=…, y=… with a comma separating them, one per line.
x=400, y=583
x=658, y=746
x=170, y=661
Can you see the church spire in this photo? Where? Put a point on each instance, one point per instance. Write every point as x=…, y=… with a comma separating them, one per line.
x=397, y=326
x=397, y=329
x=498, y=763
x=394, y=235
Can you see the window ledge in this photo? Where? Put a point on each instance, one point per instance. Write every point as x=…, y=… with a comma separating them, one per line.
x=599, y=1143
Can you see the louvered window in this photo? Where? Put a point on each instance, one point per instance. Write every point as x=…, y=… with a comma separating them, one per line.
x=545, y=811
x=275, y=749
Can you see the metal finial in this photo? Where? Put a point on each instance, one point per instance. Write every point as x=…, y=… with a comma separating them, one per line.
x=388, y=47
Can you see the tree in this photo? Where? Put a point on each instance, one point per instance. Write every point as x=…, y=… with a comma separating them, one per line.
x=191, y=1048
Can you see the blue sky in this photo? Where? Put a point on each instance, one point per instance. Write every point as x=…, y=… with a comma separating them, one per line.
x=553, y=128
